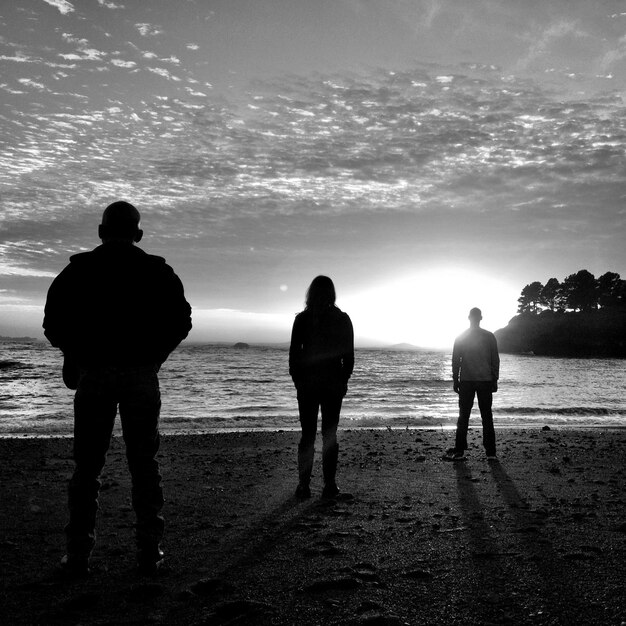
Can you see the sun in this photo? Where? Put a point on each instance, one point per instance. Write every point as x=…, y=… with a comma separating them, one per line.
x=429, y=309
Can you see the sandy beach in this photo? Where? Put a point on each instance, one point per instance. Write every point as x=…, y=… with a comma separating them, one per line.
x=539, y=538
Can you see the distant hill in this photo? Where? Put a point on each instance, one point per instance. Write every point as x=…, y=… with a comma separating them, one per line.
x=402, y=347
x=22, y=339
x=600, y=333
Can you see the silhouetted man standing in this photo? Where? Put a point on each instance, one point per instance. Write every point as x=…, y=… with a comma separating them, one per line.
x=116, y=313
x=475, y=372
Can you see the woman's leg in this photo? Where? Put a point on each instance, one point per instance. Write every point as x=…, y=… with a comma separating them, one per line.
x=308, y=406
x=331, y=408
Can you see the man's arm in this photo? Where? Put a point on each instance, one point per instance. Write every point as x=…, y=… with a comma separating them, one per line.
x=177, y=315
x=57, y=323
x=456, y=365
x=495, y=363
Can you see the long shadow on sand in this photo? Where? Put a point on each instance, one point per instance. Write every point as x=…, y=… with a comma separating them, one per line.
x=545, y=570
x=492, y=572
x=515, y=568
x=247, y=553
x=266, y=533
x=252, y=544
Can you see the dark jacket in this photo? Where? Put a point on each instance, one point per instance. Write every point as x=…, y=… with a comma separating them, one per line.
x=322, y=348
x=116, y=305
x=475, y=356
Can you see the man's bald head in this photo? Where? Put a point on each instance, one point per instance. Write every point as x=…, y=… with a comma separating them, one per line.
x=475, y=315
x=120, y=221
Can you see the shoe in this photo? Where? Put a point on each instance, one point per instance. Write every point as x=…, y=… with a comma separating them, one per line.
x=303, y=492
x=330, y=490
x=74, y=566
x=150, y=561
x=452, y=455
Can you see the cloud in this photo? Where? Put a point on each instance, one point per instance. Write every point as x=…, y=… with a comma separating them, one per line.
x=31, y=83
x=432, y=10
x=18, y=58
x=85, y=53
x=148, y=30
x=107, y=4
x=15, y=92
x=8, y=270
x=163, y=72
x=542, y=43
x=122, y=63
x=192, y=92
x=613, y=56
x=88, y=54
x=63, y=6
x=24, y=258
x=72, y=39
x=302, y=152
x=380, y=142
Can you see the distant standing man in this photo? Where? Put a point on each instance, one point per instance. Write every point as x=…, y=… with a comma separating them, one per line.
x=475, y=372
x=116, y=313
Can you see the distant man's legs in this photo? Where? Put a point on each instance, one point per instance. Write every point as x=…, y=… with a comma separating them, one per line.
x=331, y=407
x=308, y=408
x=94, y=415
x=484, y=394
x=466, y=402
x=140, y=405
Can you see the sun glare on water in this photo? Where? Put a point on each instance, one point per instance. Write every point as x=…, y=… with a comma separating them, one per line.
x=429, y=309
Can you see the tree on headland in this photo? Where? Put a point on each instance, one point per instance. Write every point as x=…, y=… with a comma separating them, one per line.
x=582, y=316
x=529, y=300
x=578, y=292
x=611, y=290
x=551, y=295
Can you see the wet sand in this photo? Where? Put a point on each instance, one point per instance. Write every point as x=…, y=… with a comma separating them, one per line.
x=538, y=538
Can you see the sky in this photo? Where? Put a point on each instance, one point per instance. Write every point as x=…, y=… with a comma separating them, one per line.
x=427, y=155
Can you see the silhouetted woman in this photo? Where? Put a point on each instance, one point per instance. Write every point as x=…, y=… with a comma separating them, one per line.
x=321, y=359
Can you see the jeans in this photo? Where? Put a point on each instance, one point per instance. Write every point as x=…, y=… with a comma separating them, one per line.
x=310, y=399
x=135, y=390
x=483, y=390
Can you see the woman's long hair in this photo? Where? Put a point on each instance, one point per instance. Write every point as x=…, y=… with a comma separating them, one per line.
x=321, y=294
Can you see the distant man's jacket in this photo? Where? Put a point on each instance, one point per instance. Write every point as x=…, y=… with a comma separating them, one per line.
x=475, y=356
x=116, y=305
x=322, y=348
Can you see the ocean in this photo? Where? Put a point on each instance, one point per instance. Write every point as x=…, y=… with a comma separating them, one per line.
x=209, y=388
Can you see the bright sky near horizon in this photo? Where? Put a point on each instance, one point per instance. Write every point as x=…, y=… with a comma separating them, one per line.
x=428, y=155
